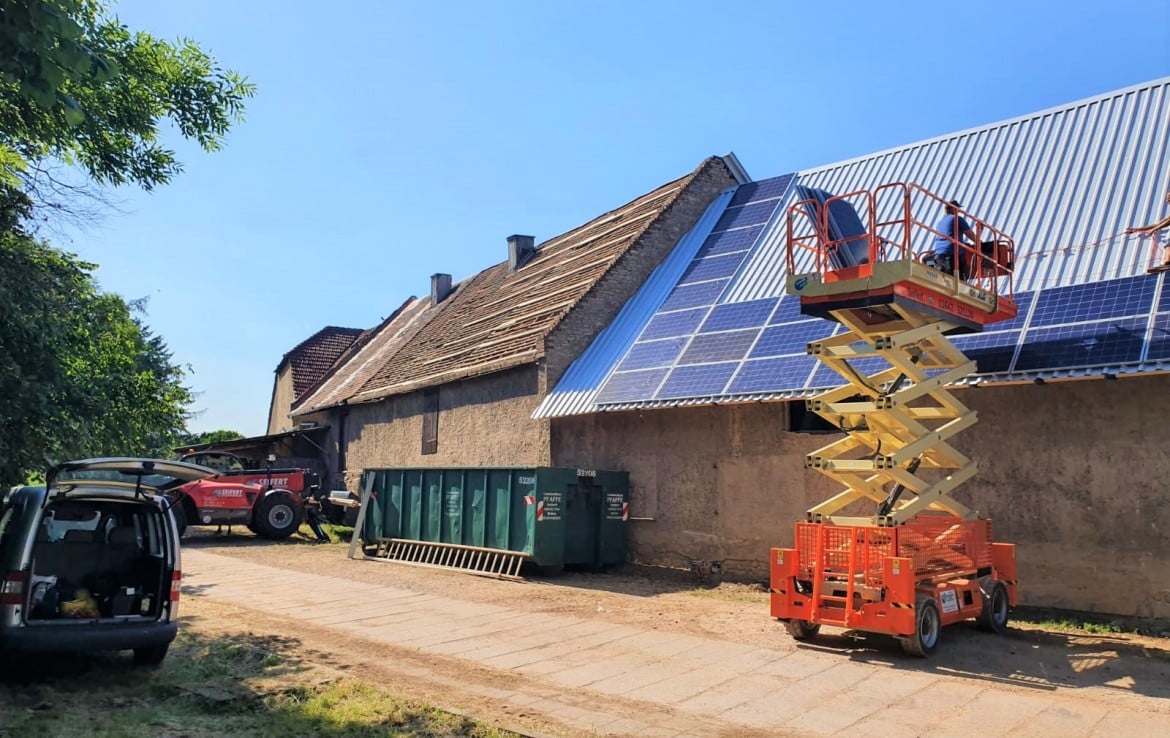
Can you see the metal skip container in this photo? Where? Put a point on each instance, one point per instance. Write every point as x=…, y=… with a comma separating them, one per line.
x=552, y=517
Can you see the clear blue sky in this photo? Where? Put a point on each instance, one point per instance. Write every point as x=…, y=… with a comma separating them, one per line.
x=391, y=140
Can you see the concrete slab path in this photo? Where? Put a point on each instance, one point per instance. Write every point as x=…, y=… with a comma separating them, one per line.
x=710, y=686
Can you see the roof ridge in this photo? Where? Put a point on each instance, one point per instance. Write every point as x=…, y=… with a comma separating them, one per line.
x=683, y=182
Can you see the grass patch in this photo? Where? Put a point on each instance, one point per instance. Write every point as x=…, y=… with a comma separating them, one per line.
x=244, y=686
x=336, y=533
x=1072, y=621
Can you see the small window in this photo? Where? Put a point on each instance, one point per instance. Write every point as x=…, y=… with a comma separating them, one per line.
x=430, y=426
x=803, y=420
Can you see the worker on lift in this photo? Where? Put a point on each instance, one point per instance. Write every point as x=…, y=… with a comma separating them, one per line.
x=950, y=233
x=1152, y=231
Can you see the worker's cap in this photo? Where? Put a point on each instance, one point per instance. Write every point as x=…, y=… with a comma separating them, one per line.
x=955, y=203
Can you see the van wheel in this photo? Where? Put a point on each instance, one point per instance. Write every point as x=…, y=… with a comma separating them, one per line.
x=151, y=656
x=994, y=617
x=276, y=517
x=927, y=628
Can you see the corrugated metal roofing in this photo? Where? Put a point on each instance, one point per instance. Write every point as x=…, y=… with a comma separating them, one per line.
x=1065, y=182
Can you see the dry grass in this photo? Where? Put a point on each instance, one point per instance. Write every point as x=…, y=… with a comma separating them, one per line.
x=243, y=686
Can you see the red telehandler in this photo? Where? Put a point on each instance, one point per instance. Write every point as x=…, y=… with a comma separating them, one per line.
x=272, y=503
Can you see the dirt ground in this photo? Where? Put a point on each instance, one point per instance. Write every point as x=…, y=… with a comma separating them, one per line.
x=1030, y=657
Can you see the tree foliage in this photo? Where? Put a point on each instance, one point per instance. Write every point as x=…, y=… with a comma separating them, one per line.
x=215, y=436
x=77, y=87
x=81, y=94
x=79, y=373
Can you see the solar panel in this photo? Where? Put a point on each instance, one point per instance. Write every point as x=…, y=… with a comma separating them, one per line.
x=697, y=381
x=694, y=295
x=792, y=338
x=700, y=344
x=738, y=314
x=668, y=325
x=762, y=190
x=631, y=386
x=651, y=354
x=789, y=311
x=746, y=215
x=766, y=375
x=1023, y=303
x=826, y=377
x=713, y=334
x=725, y=242
x=706, y=348
x=1159, y=346
x=712, y=267
x=1113, y=299
x=1083, y=344
x=992, y=352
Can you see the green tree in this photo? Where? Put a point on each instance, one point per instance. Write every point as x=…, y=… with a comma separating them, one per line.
x=79, y=89
x=85, y=99
x=79, y=373
x=215, y=436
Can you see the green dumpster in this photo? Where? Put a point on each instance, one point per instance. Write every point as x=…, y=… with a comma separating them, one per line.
x=557, y=516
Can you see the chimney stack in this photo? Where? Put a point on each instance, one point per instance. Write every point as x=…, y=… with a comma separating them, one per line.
x=520, y=250
x=440, y=287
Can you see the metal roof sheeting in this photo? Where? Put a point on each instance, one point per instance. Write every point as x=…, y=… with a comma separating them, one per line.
x=576, y=392
x=1064, y=182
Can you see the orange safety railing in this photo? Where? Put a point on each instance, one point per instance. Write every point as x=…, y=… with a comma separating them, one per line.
x=988, y=264
x=842, y=557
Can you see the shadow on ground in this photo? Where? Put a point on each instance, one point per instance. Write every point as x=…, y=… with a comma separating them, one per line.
x=238, y=684
x=1022, y=658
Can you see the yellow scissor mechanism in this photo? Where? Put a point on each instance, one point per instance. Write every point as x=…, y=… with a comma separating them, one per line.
x=899, y=421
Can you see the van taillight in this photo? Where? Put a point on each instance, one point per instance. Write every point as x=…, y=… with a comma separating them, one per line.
x=176, y=585
x=12, y=589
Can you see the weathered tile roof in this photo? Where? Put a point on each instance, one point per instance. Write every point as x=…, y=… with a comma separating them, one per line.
x=313, y=357
x=494, y=320
x=366, y=356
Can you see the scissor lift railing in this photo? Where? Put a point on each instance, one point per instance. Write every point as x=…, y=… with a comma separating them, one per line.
x=893, y=549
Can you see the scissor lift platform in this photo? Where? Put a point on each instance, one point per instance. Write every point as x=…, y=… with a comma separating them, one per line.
x=893, y=552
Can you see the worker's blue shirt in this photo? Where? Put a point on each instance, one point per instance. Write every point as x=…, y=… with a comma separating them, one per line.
x=943, y=246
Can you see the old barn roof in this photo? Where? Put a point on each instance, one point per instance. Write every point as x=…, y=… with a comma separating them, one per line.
x=497, y=319
x=312, y=358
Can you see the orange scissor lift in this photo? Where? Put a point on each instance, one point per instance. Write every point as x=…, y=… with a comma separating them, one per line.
x=893, y=552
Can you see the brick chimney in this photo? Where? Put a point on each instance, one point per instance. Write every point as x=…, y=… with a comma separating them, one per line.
x=440, y=287
x=520, y=250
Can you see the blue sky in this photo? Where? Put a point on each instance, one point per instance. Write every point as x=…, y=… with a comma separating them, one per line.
x=391, y=140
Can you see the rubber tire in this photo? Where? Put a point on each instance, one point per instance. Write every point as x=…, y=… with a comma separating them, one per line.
x=265, y=528
x=151, y=655
x=927, y=628
x=180, y=518
x=802, y=630
x=994, y=617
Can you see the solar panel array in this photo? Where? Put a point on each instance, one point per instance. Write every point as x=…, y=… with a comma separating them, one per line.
x=698, y=345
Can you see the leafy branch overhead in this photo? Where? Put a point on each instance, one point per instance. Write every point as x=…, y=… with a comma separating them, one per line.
x=79, y=87
x=83, y=96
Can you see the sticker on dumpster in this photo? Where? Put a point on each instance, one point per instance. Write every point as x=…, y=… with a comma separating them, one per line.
x=950, y=600
x=529, y=499
x=526, y=480
x=451, y=502
x=779, y=558
x=550, y=507
x=614, y=508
